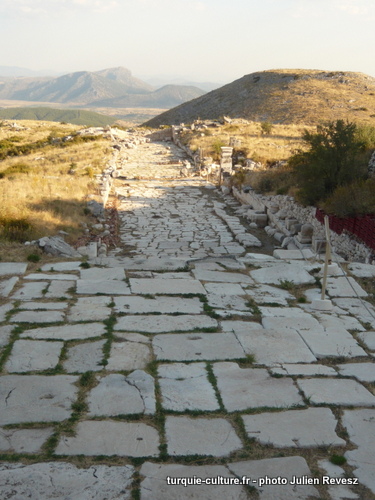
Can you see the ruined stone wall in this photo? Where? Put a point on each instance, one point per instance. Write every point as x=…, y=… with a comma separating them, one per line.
x=280, y=208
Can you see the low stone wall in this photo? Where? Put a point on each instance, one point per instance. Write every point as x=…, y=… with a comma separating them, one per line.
x=280, y=209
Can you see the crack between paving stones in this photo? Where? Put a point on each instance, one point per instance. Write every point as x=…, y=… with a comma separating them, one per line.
x=238, y=340
x=8, y=396
x=139, y=392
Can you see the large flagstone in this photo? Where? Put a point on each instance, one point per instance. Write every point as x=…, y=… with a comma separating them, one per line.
x=156, y=485
x=197, y=347
x=61, y=480
x=200, y=436
x=164, y=323
x=295, y=273
x=343, y=392
x=158, y=304
x=33, y=355
x=166, y=287
x=285, y=467
x=298, y=429
x=186, y=387
x=36, y=398
x=126, y=439
x=66, y=332
x=119, y=395
x=243, y=388
x=360, y=425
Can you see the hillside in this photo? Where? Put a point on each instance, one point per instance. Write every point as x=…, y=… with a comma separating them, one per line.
x=165, y=97
x=283, y=96
x=75, y=116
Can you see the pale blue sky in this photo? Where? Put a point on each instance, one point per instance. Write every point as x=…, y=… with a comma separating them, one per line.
x=212, y=40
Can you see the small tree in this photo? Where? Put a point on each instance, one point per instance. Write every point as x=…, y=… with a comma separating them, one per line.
x=266, y=127
x=334, y=158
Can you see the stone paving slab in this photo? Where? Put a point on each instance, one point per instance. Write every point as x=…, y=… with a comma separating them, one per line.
x=8, y=268
x=224, y=289
x=339, y=322
x=197, y=347
x=273, y=346
x=23, y=440
x=94, y=437
x=369, y=339
x=103, y=273
x=362, y=270
x=222, y=276
x=58, y=289
x=283, y=272
x=228, y=302
x=6, y=286
x=33, y=355
x=360, y=425
x=341, y=392
x=119, y=395
x=55, y=276
x=344, y=287
x=329, y=342
x=243, y=388
x=85, y=357
x=186, y=387
x=286, y=467
x=297, y=429
x=164, y=323
x=60, y=480
x=305, y=370
x=104, y=287
x=303, y=254
x=5, y=332
x=62, y=266
x=265, y=294
x=129, y=355
x=364, y=311
x=161, y=304
x=36, y=398
x=4, y=309
x=200, y=436
x=49, y=306
x=66, y=332
x=90, y=309
x=153, y=264
x=155, y=487
x=38, y=317
x=365, y=372
x=171, y=276
x=32, y=290
x=166, y=286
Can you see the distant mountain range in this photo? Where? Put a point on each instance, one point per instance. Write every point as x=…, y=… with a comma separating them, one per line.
x=283, y=96
x=114, y=87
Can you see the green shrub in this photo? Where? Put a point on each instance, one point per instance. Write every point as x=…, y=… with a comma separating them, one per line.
x=266, y=128
x=335, y=157
x=357, y=198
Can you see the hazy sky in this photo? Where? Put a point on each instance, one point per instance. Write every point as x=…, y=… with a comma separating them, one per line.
x=212, y=40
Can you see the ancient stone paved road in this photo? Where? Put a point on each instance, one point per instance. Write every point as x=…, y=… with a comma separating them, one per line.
x=180, y=356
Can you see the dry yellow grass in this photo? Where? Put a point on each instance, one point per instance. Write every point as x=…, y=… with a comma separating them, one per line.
x=278, y=145
x=51, y=192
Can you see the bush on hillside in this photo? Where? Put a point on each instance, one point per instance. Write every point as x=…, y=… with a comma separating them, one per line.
x=336, y=157
x=357, y=198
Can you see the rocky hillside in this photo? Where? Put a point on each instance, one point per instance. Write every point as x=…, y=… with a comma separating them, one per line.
x=114, y=87
x=283, y=96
